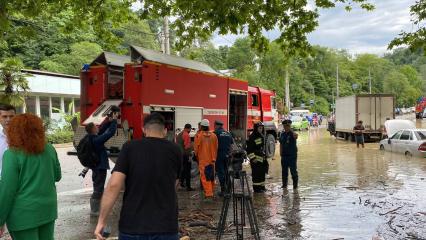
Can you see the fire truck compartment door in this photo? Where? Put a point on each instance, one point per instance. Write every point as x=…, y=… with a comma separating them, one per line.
x=188, y=115
x=98, y=116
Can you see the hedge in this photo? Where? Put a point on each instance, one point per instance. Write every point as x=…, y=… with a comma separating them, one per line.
x=60, y=137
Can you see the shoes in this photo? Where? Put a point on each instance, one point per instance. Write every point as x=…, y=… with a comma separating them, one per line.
x=269, y=176
x=94, y=207
x=189, y=189
x=284, y=186
x=208, y=199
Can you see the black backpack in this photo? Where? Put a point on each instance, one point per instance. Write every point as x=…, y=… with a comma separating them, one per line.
x=86, y=153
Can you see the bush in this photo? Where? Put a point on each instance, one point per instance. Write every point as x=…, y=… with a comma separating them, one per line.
x=60, y=137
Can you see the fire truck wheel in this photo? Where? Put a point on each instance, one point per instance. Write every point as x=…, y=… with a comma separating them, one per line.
x=270, y=145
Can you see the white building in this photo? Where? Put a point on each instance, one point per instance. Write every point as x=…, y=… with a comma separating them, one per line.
x=52, y=93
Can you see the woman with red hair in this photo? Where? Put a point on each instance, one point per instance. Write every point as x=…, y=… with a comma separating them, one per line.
x=27, y=184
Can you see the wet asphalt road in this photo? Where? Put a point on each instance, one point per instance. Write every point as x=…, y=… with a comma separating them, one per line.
x=345, y=193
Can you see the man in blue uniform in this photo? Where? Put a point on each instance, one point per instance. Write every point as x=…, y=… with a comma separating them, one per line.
x=225, y=141
x=288, y=150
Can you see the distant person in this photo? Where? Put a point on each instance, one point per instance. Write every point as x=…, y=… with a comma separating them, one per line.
x=225, y=141
x=256, y=154
x=184, y=142
x=359, y=134
x=206, y=146
x=148, y=170
x=28, y=199
x=7, y=112
x=99, y=137
x=288, y=152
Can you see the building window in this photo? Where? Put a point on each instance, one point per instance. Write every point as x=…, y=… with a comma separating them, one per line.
x=68, y=105
x=30, y=105
x=56, y=105
x=44, y=107
x=77, y=104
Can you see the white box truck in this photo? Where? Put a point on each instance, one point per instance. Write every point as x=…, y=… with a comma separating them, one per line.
x=372, y=109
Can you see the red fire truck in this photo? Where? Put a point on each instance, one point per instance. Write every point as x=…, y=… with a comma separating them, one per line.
x=420, y=107
x=182, y=90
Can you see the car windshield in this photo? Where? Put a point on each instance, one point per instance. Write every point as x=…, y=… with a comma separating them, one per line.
x=421, y=135
x=296, y=119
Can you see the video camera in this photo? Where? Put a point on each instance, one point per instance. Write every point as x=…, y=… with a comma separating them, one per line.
x=112, y=110
x=236, y=160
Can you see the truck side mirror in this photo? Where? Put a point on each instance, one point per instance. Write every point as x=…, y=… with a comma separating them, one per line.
x=389, y=141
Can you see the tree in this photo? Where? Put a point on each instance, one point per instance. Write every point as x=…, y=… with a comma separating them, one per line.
x=417, y=38
x=101, y=15
x=199, y=18
x=241, y=54
x=206, y=53
x=136, y=33
x=72, y=62
x=13, y=82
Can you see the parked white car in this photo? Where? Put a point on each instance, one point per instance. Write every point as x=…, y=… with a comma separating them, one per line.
x=409, y=142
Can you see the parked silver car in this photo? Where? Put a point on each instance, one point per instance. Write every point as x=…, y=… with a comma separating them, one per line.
x=411, y=142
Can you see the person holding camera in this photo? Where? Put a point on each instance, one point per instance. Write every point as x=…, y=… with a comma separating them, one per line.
x=98, y=137
x=288, y=151
x=257, y=156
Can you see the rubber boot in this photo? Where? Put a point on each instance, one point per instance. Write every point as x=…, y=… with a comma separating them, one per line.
x=94, y=207
x=295, y=182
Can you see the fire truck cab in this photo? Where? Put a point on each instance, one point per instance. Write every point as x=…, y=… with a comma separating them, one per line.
x=182, y=90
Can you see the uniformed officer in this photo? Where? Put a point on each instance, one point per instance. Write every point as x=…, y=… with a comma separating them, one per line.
x=256, y=153
x=225, y=141
x=288, y=150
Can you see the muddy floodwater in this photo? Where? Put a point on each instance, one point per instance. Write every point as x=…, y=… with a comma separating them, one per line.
x=344, y=193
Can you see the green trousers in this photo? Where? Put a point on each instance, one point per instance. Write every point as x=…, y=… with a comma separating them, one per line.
x=43, y=232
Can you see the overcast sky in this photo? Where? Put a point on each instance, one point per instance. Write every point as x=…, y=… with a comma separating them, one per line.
x=358, y=31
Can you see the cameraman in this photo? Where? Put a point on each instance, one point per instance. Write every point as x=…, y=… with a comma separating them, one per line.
x=99, y=137
x=256, y=153
x=288, y=151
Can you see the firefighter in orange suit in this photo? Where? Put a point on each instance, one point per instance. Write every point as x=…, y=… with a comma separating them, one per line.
x=206, y=151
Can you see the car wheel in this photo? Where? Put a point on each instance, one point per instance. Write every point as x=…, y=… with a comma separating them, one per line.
x=270, y=145
x=382, y=147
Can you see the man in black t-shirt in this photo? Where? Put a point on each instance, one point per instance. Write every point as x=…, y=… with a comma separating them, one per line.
x=149, y=170
x=359, y=134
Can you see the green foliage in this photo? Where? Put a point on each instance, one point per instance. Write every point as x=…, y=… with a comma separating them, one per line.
x=13, y=82
x=198, y=19
x=71, y=63
x=206, y=53
x=60, y=136
x=415, y=39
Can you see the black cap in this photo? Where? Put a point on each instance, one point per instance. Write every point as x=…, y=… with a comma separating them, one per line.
x=188, y=126
x=287, y=122
x=218, y=122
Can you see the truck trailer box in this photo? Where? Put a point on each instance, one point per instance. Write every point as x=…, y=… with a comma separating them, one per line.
x=372, y=109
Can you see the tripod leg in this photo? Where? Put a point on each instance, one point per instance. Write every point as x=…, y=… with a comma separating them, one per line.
x=223, y=215
x=252, y=219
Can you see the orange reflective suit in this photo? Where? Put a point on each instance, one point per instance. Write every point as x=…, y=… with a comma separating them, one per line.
x=206, y=151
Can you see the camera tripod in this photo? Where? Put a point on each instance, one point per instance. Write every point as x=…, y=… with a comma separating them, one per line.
x=237, y=190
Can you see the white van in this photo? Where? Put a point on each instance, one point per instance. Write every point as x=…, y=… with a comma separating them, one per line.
x=303, y=112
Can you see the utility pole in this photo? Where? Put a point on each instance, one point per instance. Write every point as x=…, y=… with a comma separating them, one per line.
x=166, y=36
x=337, y=81
x=369, y=79
x=287, y=89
